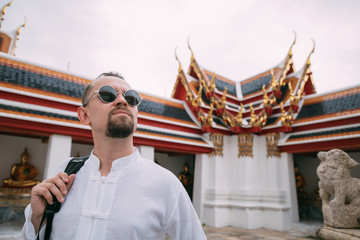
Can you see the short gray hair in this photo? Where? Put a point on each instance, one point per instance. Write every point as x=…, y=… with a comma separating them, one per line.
x=88, y=87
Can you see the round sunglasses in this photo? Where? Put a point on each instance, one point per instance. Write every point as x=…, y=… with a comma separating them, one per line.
x=108, y=94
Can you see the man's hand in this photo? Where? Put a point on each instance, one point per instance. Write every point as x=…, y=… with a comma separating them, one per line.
x=41, y=194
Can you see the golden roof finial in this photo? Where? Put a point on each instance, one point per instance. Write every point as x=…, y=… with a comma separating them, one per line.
x=283, y=114
x=312, y=51
x=200, y=89
x=221, y=103
x=196, y=102
x=22, y=26
x=240, y=114
x=3, y=11
x=274, y=84
x=273, y=80
x=212, y=82
x=209, y=118
x=302, y=88
x=290, y=50
x=209, y=89
x=292, y=95
x=201, y=117
x=223, y=97
x=252, y=114
x=286, y=119
x=4, y=7
x=176, y=57
x=266, y=100
x=192, y=53
x=264, y=89
x=17, y=37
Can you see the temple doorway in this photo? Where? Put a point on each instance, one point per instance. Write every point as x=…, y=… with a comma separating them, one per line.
x=182, y=165
x=309, y=201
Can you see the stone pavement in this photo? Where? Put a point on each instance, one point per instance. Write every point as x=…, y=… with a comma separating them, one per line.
x=230, y=233
x=12, y=231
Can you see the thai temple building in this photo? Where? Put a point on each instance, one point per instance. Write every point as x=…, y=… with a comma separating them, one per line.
x=245, y=150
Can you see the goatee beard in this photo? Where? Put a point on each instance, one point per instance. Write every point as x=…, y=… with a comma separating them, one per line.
x=121, y=128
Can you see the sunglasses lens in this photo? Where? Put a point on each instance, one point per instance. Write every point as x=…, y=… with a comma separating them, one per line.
x=132, y=97
x=107, y=94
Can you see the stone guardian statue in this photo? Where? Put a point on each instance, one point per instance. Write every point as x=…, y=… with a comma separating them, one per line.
x=339, y=192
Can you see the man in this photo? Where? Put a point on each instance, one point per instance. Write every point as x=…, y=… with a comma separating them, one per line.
x=117, y=194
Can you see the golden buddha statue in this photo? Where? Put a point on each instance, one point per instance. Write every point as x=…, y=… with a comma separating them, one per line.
x=300, y=180
x=186, y=179
x=23, y=174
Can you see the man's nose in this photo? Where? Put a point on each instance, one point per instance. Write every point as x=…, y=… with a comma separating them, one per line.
x=120, y=100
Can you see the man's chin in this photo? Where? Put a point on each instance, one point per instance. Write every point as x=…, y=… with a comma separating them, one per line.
x=122, y=129
x=118, y=132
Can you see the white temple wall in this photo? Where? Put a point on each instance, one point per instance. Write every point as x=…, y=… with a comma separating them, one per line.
x=147, y=152
x=219, y=180
x=249, y=192
x=290, y=185
x=59, y=149
x=199, y=184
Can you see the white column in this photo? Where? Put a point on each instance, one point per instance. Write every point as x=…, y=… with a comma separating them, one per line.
x=291, y=186
x=147, y=152
x=59, y=149
x=199, y=187
x=217, y=177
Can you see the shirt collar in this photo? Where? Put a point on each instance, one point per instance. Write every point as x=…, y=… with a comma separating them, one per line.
x=118, y=164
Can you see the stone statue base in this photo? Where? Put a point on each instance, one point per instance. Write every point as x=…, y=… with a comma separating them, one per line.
x=341, y=217
x=329, y=233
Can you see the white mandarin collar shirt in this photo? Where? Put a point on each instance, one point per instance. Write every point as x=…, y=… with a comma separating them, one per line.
x=137, y=200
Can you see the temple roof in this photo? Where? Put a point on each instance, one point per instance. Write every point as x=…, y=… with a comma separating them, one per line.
x=39, y=101
x=249, y=87
x=221, y=83
x=330, y=119
x=343, y=137
x=330, y=105
x=279, y=99
x=270, y=98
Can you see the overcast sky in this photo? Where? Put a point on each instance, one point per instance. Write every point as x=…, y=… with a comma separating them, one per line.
x=236, y=39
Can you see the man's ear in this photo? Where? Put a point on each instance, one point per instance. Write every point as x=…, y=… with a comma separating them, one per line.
x=83, y=116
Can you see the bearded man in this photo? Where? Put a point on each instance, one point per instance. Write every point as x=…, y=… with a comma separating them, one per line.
x=117, y=194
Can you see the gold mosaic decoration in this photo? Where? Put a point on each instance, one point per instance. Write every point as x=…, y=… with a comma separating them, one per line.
x=271, y=145
x=245, y=145
x=218, y=140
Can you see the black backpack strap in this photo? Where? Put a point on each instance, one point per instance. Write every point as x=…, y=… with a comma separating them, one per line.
x=75, y=164
x=72, y=167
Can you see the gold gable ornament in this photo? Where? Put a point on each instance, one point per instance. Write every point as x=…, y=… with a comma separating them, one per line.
x=245, y=145
x=3, y=11
x=271, y=145
x=218, y=140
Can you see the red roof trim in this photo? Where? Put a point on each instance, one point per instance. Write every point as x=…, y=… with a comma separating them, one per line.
x=326, y=124
x=37, y=101
x=163, y=125
x=344, y=144
x=173, y=147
